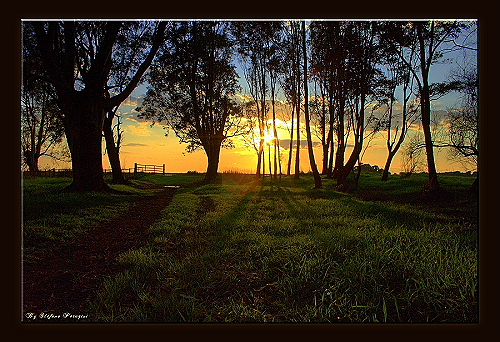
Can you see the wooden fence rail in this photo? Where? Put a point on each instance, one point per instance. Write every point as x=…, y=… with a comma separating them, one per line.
x=69, y=173
x=149, y=168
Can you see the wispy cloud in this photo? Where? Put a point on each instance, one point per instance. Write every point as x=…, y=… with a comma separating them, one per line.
x=143, y=129
x=135, y=144
x=285, y=143
x=243, y=97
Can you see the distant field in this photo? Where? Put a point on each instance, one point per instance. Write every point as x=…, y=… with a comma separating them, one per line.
x=242, y=251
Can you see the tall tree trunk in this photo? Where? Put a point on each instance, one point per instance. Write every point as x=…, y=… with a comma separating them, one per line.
x=358, y=146
x=297, y=153
x=31, y=161
x=331, y=110
x=385, y=174
x=331, y=158
x=275, y=140
x=297, y=104
x=433, y=183
x=312, y=161
x=113, y=150
x=84, y=136
x=341, y=146
x=290, y=150
x=212, y=149
x=259, y=162
x=269, y=161
x=326, y=147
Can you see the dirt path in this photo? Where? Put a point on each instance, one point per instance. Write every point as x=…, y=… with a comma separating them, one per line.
x=62, y=282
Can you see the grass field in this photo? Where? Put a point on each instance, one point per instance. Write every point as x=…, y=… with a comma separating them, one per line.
x=243, y=251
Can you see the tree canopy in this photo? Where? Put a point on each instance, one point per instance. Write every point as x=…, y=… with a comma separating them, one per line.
x=191, y=88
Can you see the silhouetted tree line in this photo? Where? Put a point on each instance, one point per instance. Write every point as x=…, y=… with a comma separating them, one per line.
x=79, y=72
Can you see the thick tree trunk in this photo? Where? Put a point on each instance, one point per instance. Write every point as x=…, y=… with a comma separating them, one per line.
x=113, y=151
x=31, y=161
x=83, y=128
x=212, y=149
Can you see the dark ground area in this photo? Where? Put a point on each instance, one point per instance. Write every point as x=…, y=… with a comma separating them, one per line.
x=63, y=281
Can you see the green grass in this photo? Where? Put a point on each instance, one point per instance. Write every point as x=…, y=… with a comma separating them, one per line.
x=242, y=251
x=52, y=217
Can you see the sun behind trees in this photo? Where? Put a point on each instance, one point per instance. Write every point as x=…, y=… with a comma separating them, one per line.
x=189, y=68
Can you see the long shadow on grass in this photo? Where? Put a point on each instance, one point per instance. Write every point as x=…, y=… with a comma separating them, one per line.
x=225, y=223
x=386, y=214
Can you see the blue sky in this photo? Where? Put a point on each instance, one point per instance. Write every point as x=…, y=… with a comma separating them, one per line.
x=149, y=145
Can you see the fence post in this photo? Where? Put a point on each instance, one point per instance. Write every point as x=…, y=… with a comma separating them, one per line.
x=135, y=168
x=164, y=169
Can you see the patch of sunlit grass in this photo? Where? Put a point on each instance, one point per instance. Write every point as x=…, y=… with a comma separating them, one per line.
x=283, y=252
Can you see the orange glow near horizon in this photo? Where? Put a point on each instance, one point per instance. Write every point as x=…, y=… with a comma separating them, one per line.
x=146, y=144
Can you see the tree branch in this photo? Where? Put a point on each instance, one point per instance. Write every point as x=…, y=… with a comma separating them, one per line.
x=158, y=40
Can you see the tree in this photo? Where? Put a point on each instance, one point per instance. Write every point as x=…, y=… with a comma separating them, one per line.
x=323, y=126
x=191, y=89
x=77, y=60
x=400, y=77
x=42, y=129
x=291, y=84
x=362, y=59
x=131, y=48
x=312, y=162
x=113, y=145
x=426, y=38
x=326, y=67
x=462, y=122
x=257, y=48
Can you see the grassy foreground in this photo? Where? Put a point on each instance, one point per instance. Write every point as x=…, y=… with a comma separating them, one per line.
x=283, y=252
x=52, y=217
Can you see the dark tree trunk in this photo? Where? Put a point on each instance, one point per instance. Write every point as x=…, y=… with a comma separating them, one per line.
x=331, y=158
x=433, y=183
x=297, y=153
x=290, y=149
x=83, y=128
x=344, y=171
x=312, y=162
x=212, y=149
x=31, y=161
x=385, y=174
x=340, y=152
x=324, y=170
x=113, y=150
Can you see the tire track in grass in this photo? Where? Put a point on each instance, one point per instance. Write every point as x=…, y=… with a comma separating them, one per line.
x=59, y=286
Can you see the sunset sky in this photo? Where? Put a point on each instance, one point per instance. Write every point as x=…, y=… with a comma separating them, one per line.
x=144, y=144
